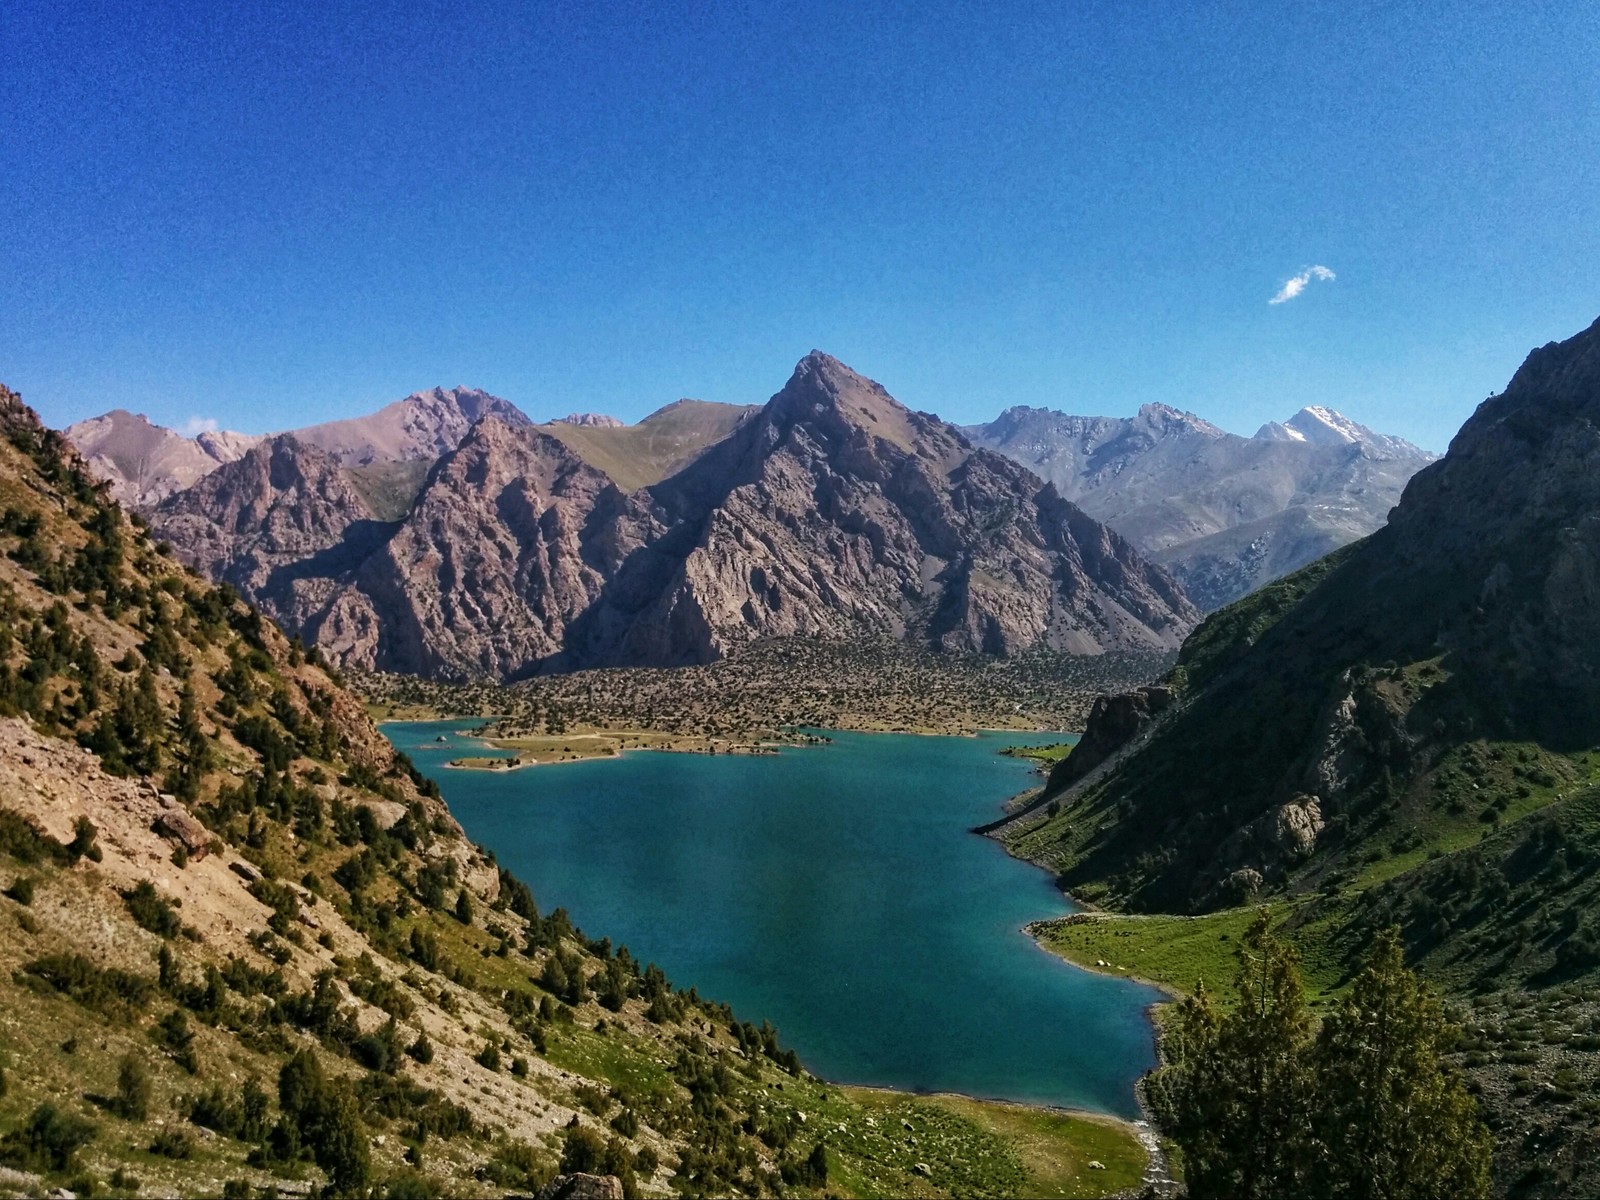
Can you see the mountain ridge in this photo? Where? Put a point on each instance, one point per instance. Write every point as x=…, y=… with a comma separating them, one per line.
x=1225, y=513
x=830, y=510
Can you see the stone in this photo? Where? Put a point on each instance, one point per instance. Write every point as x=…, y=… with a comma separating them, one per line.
x=580, y=1186
x=178, y=825
x=833, y=512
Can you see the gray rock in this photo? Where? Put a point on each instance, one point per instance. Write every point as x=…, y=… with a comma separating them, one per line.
x=582, y=1187
x=832, y=513
x=1225, y=513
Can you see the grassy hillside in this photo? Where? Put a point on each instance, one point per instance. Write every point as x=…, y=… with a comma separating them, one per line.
x=244, y=946
x=637, y=456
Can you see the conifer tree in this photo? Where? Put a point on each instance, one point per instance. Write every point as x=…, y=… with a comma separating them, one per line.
x=1369, y=1110
x=1394, y=1119
x=1237, y=1096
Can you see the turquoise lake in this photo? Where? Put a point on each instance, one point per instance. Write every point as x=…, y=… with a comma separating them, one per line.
x=832, y=890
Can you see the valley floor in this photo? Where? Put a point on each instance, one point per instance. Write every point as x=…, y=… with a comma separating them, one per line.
x=765, y=692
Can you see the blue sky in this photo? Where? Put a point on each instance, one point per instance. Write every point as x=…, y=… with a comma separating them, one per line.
x=270, y=214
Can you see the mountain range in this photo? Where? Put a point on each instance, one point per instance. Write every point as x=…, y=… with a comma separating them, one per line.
x=1224, y=513
x=393, y=539
x=248, y=950
x=831, y=511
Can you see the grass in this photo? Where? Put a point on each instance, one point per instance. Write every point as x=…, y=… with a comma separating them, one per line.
x=1047, y=756
x=637, y=456
x=971, y=1148
x=1056, y=1148
x=1175, y=952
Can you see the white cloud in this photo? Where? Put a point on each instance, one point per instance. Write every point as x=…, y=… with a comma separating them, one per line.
x=198, y=425
x=1293, y=287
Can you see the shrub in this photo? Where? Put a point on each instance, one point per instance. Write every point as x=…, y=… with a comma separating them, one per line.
x=21, y=890
x=151, y=910
x=173, y=1143
x=132, y=1100
x=108, y=990
x=583, y=1152
x=50, y=1140
x=421, y=1049
x=83, y=844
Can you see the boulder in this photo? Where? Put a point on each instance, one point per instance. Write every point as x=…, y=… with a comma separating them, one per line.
x=582, y=1187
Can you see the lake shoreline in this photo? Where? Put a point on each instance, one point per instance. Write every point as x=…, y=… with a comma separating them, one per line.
x=1085, y=1077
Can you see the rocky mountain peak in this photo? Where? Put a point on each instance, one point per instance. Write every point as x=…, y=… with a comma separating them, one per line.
x=589, y=421
x=424, y=425
x=833, y=512
x=836, y=404
x=1316, y=425
x=1162, y=420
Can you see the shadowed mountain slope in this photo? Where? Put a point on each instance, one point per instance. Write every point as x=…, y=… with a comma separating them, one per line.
x=1434, y=684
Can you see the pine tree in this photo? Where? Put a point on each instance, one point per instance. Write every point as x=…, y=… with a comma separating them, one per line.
x=1395, y=1120
x=1237, y=1097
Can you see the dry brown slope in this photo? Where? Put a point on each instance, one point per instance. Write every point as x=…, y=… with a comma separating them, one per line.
x=662, y=444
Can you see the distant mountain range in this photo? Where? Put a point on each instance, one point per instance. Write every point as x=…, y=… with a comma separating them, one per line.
x=830, y=512
x=393, y=539
x=1225, y=513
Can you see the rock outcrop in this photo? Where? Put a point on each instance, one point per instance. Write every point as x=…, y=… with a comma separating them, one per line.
x=1225, y=513
x=1114, y=722
x=278, y=525
x=423, y=426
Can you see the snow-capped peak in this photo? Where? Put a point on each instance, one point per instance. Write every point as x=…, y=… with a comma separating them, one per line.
x=1317, y=424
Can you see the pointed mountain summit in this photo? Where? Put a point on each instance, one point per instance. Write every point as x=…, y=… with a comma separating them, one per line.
x=832, y=512
x=837, y=512
x=1226, y=514
x=1323, y=427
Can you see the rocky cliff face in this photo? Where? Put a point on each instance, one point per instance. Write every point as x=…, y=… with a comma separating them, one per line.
x=277, y=524
x=836, y=511
x=1353, y=692
x=1225, y=513
x=832, y=512
x=512, y=539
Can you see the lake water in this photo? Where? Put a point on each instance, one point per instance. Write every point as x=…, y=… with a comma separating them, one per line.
x=831, y=890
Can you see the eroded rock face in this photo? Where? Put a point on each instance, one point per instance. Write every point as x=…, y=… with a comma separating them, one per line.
x=277, y=524
x=582, y=1187
x=836, y=511
x=831, y=513
x=144, y=462
x=1114, y=721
